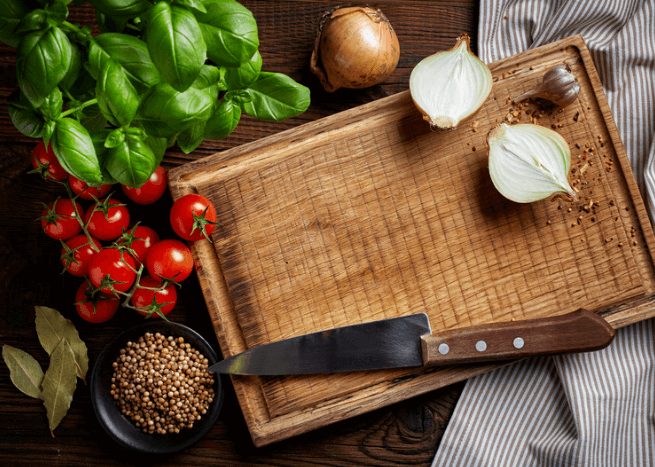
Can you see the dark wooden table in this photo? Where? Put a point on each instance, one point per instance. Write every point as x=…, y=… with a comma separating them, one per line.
x=402, y=434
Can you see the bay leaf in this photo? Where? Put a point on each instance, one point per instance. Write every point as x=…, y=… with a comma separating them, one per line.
x=52, y=327
x=24, y=371
x=59, y=383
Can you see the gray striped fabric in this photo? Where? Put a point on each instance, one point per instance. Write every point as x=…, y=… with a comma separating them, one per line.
x=595, y=409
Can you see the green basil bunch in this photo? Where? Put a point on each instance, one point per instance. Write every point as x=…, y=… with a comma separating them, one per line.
x=160, y=73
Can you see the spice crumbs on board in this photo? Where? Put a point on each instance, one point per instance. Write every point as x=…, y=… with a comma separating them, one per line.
x=588, y=165
x=162, y=383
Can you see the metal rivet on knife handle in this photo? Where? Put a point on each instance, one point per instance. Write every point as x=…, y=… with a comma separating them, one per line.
x=518, y=343
x=443, y=349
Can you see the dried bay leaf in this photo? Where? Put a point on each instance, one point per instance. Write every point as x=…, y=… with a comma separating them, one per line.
x=52, y=327
x=24, y=371
x=59, y=383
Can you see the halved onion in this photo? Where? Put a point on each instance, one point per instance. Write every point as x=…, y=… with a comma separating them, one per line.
x=529, y=162
x=450, y=86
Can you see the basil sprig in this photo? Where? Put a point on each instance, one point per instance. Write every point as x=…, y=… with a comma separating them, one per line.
x=160, y=73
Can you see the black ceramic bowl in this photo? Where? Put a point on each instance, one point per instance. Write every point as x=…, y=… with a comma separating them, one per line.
x=122, y=429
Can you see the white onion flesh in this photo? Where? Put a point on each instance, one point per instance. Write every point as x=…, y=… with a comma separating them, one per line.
x=450, y=86
x=529, y=162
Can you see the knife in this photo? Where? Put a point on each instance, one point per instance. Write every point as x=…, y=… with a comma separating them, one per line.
x=407, y=341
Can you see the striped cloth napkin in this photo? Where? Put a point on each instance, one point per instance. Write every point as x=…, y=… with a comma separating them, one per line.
x=594, y=409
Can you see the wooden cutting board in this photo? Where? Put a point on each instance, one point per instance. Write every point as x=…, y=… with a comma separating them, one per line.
x=368, y=214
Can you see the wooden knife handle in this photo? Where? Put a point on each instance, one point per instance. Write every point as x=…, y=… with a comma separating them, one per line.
x=579, y=331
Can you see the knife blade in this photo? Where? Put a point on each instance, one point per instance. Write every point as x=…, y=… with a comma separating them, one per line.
x=407, y=341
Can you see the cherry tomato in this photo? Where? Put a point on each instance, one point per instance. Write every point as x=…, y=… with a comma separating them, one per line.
x=77, y=253
x=96, y=309
x=59, y=220
x=152, y=301
x=85, y=191
x=140, y=239
x=193, y=217
x=45, y=161
x=170, y=260
x=107, y=219
x=150, y=191
x=112, y=269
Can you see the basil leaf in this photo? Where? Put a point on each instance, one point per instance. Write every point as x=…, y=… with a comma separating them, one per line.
x=165, y=111
x=247, y=73
x=23, y=115
x=121, y=8
x=52, y=105
x=230, y=31
x=84, y=87
x=191, y=138
x=208, y=76
x=35, y=20
x=273, y=96
x=130, y=52
x=175, y=44
x=74, y=69
x=115, y=138
x=110, y=24
x=208, y=80
x=131, y=162
x=158, y=146
x=92, y=118
x=48, y=131
x=224, y=120
x=98, y=137
x=193, y=4
x=74, y=149
x=56, y=13
x=117, y=98
x=42, y=61
x=11, y=12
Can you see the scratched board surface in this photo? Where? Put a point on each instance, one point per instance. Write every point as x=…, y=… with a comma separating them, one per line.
x=369, y=214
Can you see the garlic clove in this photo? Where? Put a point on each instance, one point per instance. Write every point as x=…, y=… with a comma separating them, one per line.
x=451, y=85
x=529, y=162
x=558, y=86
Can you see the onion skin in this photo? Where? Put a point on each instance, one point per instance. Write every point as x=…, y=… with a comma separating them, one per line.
x=355, y=48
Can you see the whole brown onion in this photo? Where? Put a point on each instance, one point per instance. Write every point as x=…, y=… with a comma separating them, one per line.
x=355, y=48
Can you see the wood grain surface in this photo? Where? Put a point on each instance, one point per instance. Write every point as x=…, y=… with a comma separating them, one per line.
x=368, y=214
x=406, y=433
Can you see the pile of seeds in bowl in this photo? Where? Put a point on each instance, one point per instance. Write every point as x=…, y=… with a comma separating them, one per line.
x=162, y=383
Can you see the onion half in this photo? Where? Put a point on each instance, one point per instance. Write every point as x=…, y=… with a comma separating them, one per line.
x=451, y=85
x=529, y=162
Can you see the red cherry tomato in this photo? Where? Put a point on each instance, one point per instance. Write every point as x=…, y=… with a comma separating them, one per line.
x=111, y=268
x=150, y=301
x=59, y=220
x=85, y=191
x=95, y=310
x=150, y=191
x=193, y=217
x=77, y=253
x=45, y=161
x=142, y=238
x=170, y=260
x=106, y=220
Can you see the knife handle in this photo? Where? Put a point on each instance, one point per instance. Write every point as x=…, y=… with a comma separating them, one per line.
x=579, y=331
